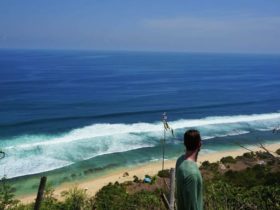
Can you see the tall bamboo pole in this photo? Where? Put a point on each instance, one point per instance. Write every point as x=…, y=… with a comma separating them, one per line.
x=172, y=190
x=164, y=120
x=163, y=148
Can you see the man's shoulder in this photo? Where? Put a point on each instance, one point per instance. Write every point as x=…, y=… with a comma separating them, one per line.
x=187, y=167
x=180, y=160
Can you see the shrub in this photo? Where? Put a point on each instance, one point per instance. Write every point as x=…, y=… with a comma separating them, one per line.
x=112, y=196
x=249, y=155
x=7, y=200
x=49, y=201
x=136, y=179
x=164, y=173
x=210, y=166
x=144, y=200
x=154, y=179
x=228, y=159
x=271, y=162
x=75, y=199
x=115, y=197
x=205, y=164
x=263, y=155
x=221, y=195
x=278, y=151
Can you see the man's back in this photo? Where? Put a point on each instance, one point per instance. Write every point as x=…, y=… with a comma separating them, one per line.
x=189, y=185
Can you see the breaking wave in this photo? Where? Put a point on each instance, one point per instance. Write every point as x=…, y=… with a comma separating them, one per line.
x=29, y=154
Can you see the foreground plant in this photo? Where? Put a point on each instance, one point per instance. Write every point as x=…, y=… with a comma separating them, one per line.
x=7, y=197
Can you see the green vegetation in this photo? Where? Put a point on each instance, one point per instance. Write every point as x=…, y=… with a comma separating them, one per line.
x=213, y=167
x=247, y=155
x=220, y=195
x=7, y=200
x=75, y=199
x=263, y=155
x=115, y=197
x=249, y=182
x=164, y=173
x=278, y=151
x=256, y=187
x=136, y=179
x=228, y=159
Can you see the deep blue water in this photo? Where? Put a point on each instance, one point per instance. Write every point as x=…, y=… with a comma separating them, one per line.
x=63, y=107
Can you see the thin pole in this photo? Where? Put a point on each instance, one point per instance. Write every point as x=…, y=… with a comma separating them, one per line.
x=165, y=126
x=172, y=189
x=163, y=148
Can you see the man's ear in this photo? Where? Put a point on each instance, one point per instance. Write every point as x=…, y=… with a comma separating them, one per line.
x=200, y=145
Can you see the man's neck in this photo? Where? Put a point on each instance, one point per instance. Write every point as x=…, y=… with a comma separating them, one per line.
x=191, y=155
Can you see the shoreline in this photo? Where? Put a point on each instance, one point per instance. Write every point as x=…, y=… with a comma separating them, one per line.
x=151, y=168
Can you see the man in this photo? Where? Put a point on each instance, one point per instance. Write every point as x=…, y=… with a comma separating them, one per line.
x=188, y=177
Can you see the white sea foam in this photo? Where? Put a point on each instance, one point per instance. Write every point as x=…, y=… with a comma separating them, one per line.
x=207, y=151
x=226, y=120
x=52, y=152
x=99, y=130
x=264, y=129
x=35, y=159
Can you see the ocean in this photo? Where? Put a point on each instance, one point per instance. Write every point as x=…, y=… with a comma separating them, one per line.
x=81, y=112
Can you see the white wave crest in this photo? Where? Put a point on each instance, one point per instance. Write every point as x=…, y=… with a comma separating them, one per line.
x=98, y=139
x=101, y=130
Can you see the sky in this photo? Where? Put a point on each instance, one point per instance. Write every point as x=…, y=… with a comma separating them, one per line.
x=238, y=26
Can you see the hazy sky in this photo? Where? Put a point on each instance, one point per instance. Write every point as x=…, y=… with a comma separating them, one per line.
x=157, y=25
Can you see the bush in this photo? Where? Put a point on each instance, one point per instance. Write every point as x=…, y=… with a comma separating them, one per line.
x=278, y=151
x=252, y=188
x=164, y=173
x=228, y=159
x=249, y=155
x=136, y=179
x=209, y=166
x=7, y=200
x=49, y=201
x=115, y=197
x=112, y=196
x=205, y=164
x=144, y=200
x=75, y=199
x=263, y=155
x=246, y=178
x=221, y=195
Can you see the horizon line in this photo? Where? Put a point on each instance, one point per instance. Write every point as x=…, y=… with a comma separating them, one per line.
x=140, y=51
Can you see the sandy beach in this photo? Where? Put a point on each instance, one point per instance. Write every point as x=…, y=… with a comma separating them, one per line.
x=92, y=186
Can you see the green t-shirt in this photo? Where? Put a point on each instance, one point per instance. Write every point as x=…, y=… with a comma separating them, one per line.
x=188, y=185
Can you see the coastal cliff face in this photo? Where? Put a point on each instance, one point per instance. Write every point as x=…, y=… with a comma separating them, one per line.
x=250, y=181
